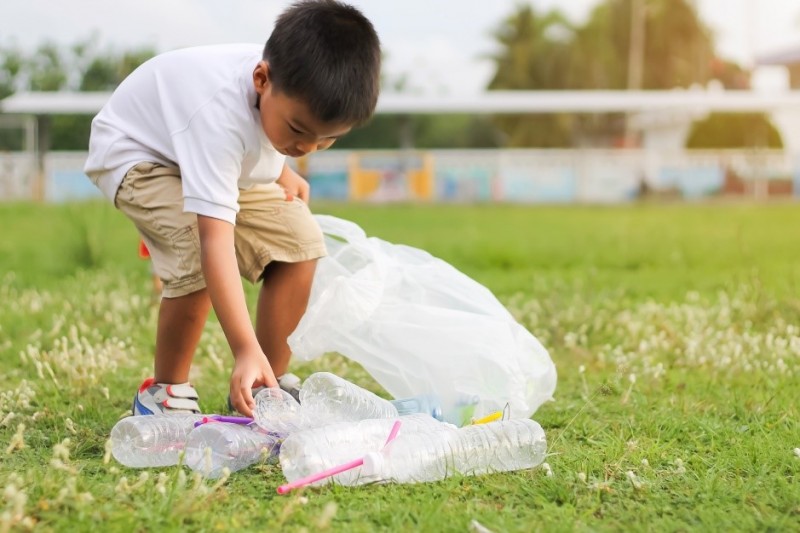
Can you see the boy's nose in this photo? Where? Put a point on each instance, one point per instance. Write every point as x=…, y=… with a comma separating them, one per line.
x=306, y=148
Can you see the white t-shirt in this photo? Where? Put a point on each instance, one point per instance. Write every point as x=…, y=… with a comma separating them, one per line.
x=195, y=109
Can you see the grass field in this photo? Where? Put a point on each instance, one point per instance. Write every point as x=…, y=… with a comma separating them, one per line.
x=675, y=330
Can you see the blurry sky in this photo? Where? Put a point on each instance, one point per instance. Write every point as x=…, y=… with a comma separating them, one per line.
x=440, y=43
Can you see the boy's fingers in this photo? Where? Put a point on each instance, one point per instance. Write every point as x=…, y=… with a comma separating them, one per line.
x=270, y=381
x=247, y=396
x=242, y=408
x=239, y=399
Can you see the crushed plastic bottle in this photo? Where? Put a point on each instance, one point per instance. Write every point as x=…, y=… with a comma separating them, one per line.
x=153, y=440
x=431, y=456
x=213, y=446
x=313, y=450
x=277, y=410
x=327, y=397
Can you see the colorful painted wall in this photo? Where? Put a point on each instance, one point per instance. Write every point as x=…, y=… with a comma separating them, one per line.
x=523, y=176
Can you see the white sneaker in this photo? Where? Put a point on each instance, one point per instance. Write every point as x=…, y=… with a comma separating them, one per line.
x=291, y=384
x=165, y=399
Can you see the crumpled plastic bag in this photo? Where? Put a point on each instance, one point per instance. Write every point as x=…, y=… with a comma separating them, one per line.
x=419, y=326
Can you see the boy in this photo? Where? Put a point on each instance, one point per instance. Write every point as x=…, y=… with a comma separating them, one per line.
x=192, y=148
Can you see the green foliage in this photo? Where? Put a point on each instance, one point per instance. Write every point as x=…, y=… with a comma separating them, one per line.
x=70, y=132
x=11, y=62
x=535, y=50
x=46, y=69
x=454, y=131
x=107, y=71
x=535, y=53
x=424, y=131
x=679, y=49
x=700, y=438
x=383, y=131
x=51, y=67
x=543, y=51
x=729, y=130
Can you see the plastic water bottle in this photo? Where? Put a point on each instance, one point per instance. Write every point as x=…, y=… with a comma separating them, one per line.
x=216, y=445
x=313, y=450
x=327, y=397
x=493, y=447
x=457, y=412
x=429, y=404
x=461, y=410
x=153, y=440
x=278, y=411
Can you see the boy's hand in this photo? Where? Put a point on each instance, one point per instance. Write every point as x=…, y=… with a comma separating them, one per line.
x=294, y=185
x=250, y=370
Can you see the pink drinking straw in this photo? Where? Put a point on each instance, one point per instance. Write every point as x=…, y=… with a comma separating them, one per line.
x=303, y=481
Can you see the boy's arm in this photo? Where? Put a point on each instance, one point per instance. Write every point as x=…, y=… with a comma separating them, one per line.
x=218, y=259
x=294, y=184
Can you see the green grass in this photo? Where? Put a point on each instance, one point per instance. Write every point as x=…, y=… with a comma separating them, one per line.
x=674, y=329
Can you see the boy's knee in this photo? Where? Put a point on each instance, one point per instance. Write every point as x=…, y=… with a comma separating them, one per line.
x=300, y=272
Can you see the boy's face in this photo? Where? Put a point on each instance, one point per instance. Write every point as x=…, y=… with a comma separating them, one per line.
x=287, y=122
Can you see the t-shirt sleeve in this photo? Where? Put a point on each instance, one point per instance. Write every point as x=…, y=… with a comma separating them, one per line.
x=209, y=153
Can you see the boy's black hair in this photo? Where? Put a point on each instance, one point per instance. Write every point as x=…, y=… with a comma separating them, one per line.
x=327, y=54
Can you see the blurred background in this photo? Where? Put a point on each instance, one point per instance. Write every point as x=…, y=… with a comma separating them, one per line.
x=593, y=101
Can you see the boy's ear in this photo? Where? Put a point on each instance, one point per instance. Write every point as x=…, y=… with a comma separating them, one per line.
x=261, y=77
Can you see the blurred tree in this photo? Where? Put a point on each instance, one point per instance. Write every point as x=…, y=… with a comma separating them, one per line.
x=51, y=67
x=678, y=47
x=676, y=50
x=427, y=131
x=11, y=62
x=46, y=70
x=455, y=131
x=535, y=52
x=380, y=132
x=419, y=131
x=107, y=71
x=543, y=51
x=734, y=130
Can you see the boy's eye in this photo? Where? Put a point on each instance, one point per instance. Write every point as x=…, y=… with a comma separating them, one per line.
x=295, y=130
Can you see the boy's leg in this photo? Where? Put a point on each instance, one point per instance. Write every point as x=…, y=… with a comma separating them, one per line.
x=277, y=242
x=282, y=302
x=151, y=196
x=180, y=324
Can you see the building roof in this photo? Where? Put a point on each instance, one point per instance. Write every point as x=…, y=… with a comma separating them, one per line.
x=54, y=103
x=493, y=102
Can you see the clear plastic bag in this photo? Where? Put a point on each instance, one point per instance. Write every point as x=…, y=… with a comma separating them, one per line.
x=420, y=326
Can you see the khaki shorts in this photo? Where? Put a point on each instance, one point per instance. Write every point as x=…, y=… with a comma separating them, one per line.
x=268, y=228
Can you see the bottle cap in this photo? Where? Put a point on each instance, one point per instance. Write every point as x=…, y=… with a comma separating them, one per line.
x=372, y=469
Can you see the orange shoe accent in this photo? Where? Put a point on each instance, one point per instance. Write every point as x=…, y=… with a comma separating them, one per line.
x=144, y=253
x=147, y=384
